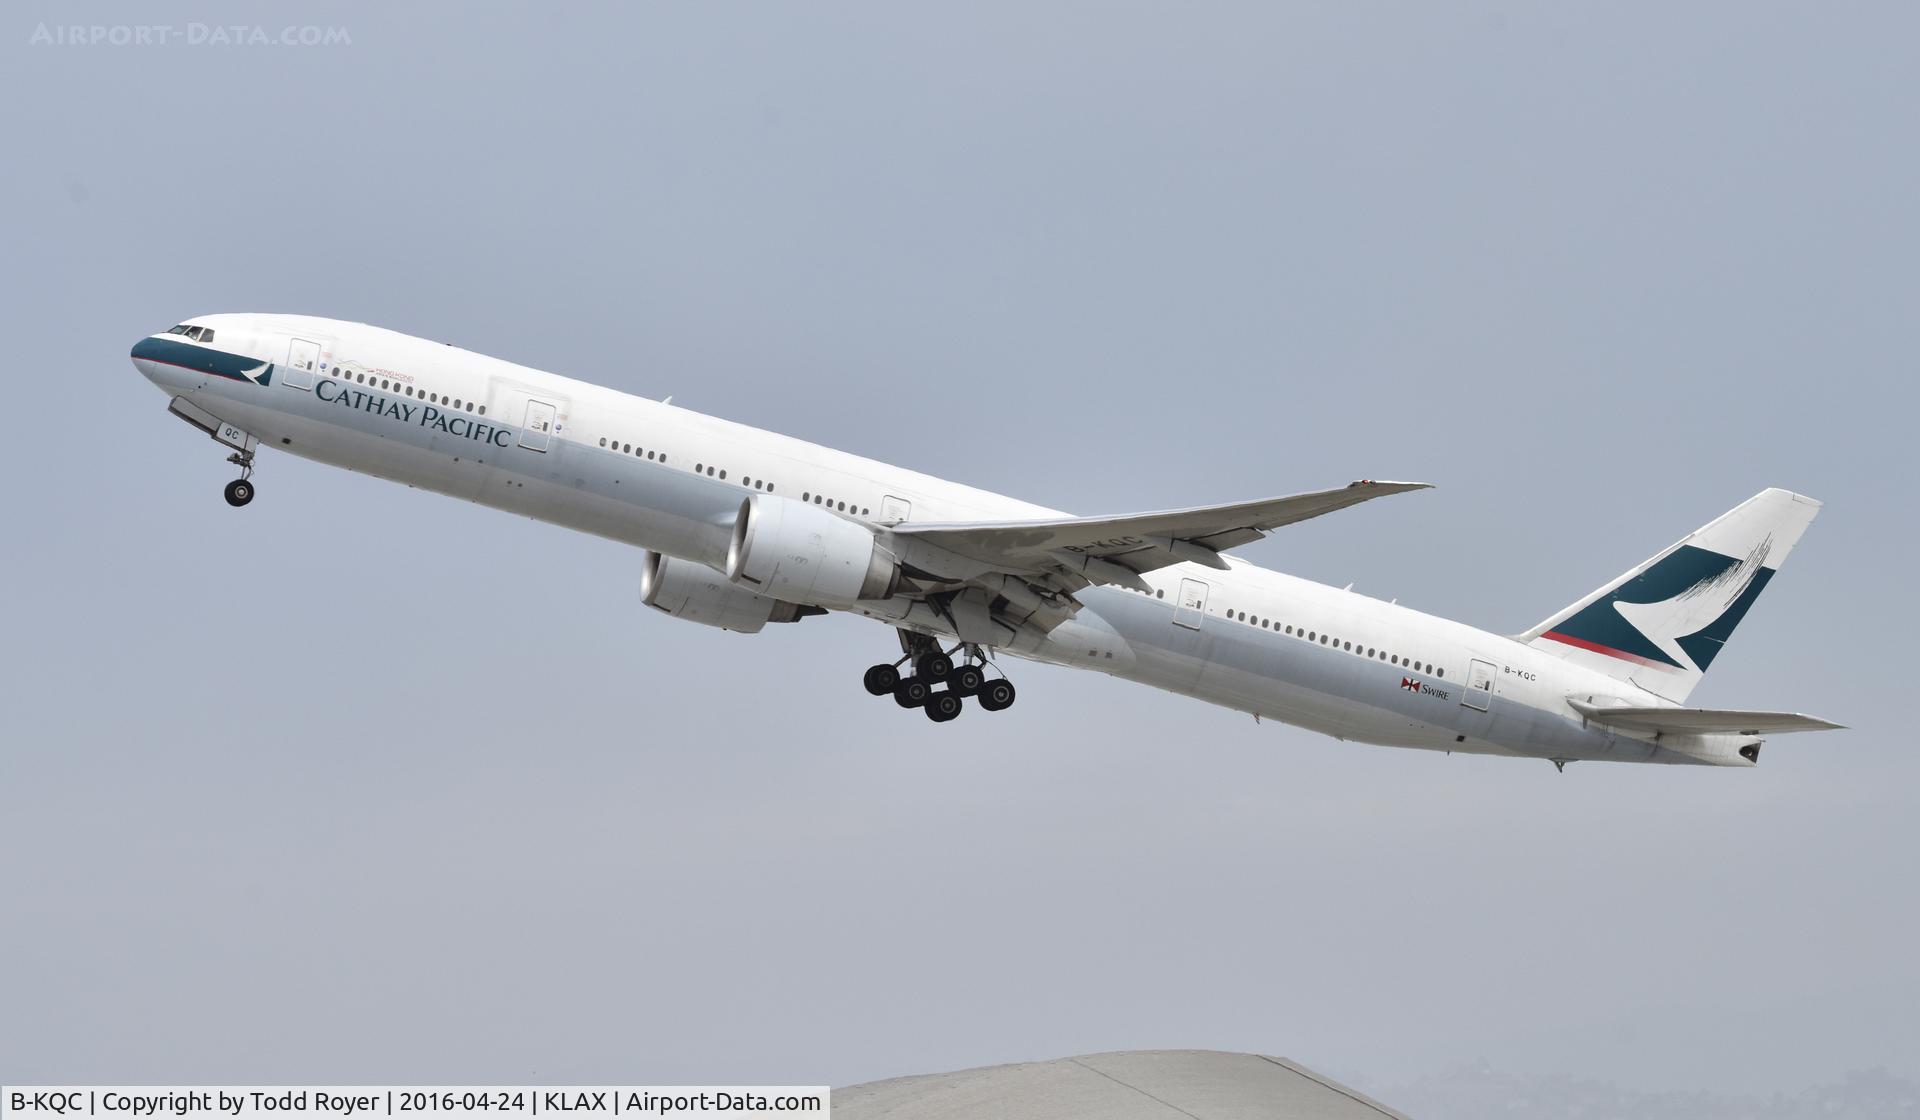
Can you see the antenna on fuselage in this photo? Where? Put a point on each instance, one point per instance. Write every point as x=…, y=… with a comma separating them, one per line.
x=668, y=399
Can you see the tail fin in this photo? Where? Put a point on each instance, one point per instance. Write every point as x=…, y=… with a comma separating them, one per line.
x=1661, y=625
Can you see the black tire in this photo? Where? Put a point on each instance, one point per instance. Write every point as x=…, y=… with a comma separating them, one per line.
x=966, y=680
x=943, y=706
x=880, y=679
x=934, y=666
x=239, y=492
x=997, y=695
x=911, y=692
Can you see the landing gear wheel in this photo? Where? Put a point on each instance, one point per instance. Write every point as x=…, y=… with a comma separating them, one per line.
x=880, y=679
x=934, y=666
x=942, y=706
x=996, y=695
x=966, y=680
x=239, y=492
x=911, y=692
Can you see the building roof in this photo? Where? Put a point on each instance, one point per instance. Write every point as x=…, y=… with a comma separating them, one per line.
x=1124, y=1085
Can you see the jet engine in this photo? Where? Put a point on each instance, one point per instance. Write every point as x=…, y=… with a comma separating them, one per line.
x=803, y=554
x=697, y=593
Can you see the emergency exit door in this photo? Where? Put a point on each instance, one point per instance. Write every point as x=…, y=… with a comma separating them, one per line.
x=538, y=429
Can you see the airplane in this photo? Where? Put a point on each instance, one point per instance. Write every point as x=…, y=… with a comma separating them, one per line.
x=742, y=528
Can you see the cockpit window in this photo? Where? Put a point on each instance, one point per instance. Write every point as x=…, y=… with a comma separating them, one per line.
x=181, y=329
x=206, y=335
x=198, y=334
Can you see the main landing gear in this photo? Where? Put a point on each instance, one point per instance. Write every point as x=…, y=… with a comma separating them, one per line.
x=936, y=685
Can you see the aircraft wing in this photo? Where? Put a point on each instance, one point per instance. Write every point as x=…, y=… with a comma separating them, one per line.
x=1702, y=721
x=1117, y=549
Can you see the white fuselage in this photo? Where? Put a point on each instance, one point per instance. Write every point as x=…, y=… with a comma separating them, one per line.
x=663, y=478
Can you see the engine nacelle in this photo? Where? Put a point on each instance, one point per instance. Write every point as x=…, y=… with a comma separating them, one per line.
x=803, y=554
x=697, y=593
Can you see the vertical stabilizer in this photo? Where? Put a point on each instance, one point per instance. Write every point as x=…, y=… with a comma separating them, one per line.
x=1662, y=624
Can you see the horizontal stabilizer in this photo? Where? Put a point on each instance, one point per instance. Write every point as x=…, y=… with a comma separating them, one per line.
x=1702, y=721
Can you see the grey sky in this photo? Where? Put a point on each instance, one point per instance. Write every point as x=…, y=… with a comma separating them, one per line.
x=361, y=784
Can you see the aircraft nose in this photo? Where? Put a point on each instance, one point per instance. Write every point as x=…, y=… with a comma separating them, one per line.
x=146, y=355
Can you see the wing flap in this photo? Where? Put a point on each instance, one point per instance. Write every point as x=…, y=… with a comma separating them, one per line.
x=1138, y=542
x=1702, y=721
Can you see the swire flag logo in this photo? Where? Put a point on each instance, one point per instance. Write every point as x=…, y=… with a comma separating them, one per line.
x=1409, y=684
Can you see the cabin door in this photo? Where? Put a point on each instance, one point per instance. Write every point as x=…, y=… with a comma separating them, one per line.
x=303, y=358
x=1192, y=606
x=538, y=430
x=1479, y=690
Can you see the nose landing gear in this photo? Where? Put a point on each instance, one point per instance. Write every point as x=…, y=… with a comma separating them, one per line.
x=240, y=491
x=933, y=667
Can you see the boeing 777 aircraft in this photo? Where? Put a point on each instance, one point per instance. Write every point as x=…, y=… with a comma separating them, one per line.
x=744, y=527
